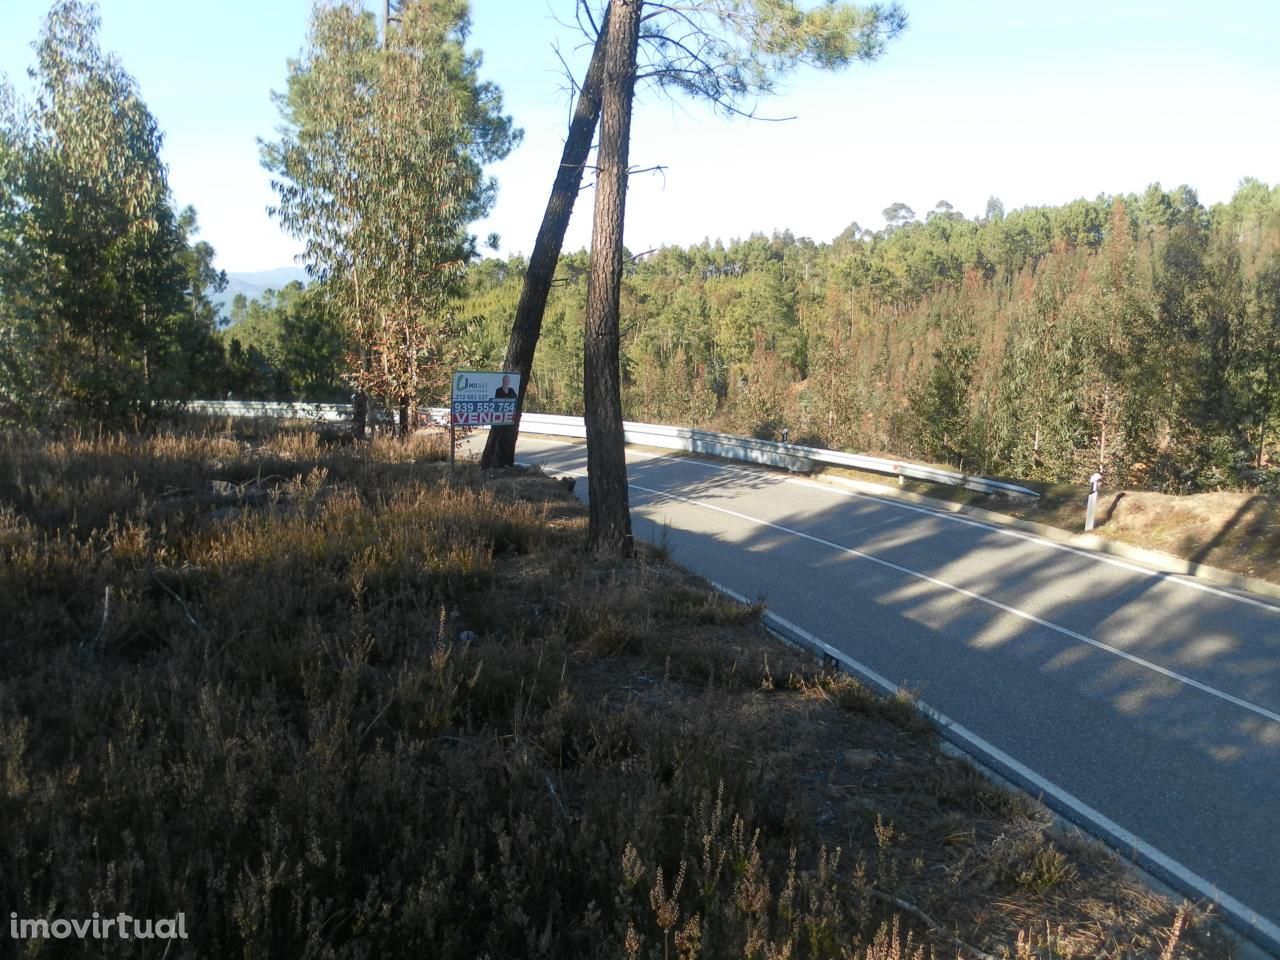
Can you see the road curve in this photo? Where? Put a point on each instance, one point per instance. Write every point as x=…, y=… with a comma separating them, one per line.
x=1143, y=706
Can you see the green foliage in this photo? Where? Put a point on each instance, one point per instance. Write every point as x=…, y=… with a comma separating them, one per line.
x=725, y=51
x=378, y=171
x=289, y=345
x=939, y=403
x=1140, y=334
x=104, y=305
x=489, y=133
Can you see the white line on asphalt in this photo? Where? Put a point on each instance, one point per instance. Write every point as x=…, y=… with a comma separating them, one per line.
x=1003, y=531
x=990, y=752
x=1031, y=617
x=1166, y=576
x=1122, y=838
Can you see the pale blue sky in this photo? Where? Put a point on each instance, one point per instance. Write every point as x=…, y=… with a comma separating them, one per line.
x=1036, y=103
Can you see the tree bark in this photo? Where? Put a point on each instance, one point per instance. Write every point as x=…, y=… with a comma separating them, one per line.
x=609, y=527
x=1273, y=367
x=359, y=414
x=500, y=448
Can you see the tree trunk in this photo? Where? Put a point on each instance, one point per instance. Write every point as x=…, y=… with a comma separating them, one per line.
x=359, y=414
x=609, y=527
x=360, y=402
x=1102, y=433
x=1273, y=367
x=500, y=448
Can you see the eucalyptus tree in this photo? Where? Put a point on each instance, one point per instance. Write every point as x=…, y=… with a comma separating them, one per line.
x=1263, y=351
x=93, y=260
x=378, y=170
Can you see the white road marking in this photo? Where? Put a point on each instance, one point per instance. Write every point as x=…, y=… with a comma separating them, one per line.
x=1123, y=839
x=1003, y=531
x=1030, y=617
x=989, y=752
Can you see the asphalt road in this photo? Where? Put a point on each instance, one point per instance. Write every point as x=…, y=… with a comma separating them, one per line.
x=1143, y=706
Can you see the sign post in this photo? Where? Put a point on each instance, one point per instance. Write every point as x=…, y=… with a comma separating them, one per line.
x=482, y=399
x=1092, y=506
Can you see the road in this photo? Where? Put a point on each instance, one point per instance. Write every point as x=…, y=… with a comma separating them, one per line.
x=1142, y=706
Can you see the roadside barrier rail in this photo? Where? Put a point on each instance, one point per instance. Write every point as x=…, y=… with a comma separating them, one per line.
x=787, y=456
x=266, y=410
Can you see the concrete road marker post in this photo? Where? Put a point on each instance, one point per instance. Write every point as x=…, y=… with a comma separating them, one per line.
x=1091, y=509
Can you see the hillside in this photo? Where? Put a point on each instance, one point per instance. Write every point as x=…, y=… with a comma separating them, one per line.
x=1138, y=335
x=254, y=284
x=342, y=700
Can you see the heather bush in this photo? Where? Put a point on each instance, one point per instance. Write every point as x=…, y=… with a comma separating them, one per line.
x=335, y=700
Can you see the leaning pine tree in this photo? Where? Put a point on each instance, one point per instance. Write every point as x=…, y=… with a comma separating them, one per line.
x=500, y=448
x=721, y=51
x=610, y=515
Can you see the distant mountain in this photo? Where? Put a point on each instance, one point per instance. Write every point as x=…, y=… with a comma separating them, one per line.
x=254, y=285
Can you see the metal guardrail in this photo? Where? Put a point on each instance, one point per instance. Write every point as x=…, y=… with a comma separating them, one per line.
x=678, y=438
x=788, y=456
x=913, y=470
x=791, y=456
x=265, y=410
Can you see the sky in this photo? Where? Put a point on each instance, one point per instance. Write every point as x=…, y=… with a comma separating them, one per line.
x=1034, y=103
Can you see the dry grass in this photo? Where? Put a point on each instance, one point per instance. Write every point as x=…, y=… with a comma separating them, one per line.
x=1234, y=531
x=334, y=701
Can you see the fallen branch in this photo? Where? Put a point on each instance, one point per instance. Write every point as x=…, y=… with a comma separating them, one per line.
x=381, y=713
x=182, y=603
x=551, y=787
x=106, y=612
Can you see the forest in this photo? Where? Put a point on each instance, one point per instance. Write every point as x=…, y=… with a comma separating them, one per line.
x=328, y=693
x=1137, y=335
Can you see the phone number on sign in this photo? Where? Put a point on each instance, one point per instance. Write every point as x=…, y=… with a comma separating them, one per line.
x=478, y=413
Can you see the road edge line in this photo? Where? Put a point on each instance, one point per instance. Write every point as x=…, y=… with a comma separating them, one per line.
x=1140, y=560
x=1244, y=920
x=1162, y=564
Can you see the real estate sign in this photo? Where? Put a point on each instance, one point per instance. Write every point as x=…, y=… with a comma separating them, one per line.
x=484, y=399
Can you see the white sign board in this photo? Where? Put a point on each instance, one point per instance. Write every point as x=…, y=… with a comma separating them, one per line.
x=484, y=399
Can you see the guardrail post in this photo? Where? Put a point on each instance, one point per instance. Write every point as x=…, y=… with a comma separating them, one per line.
x=1091, y=508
